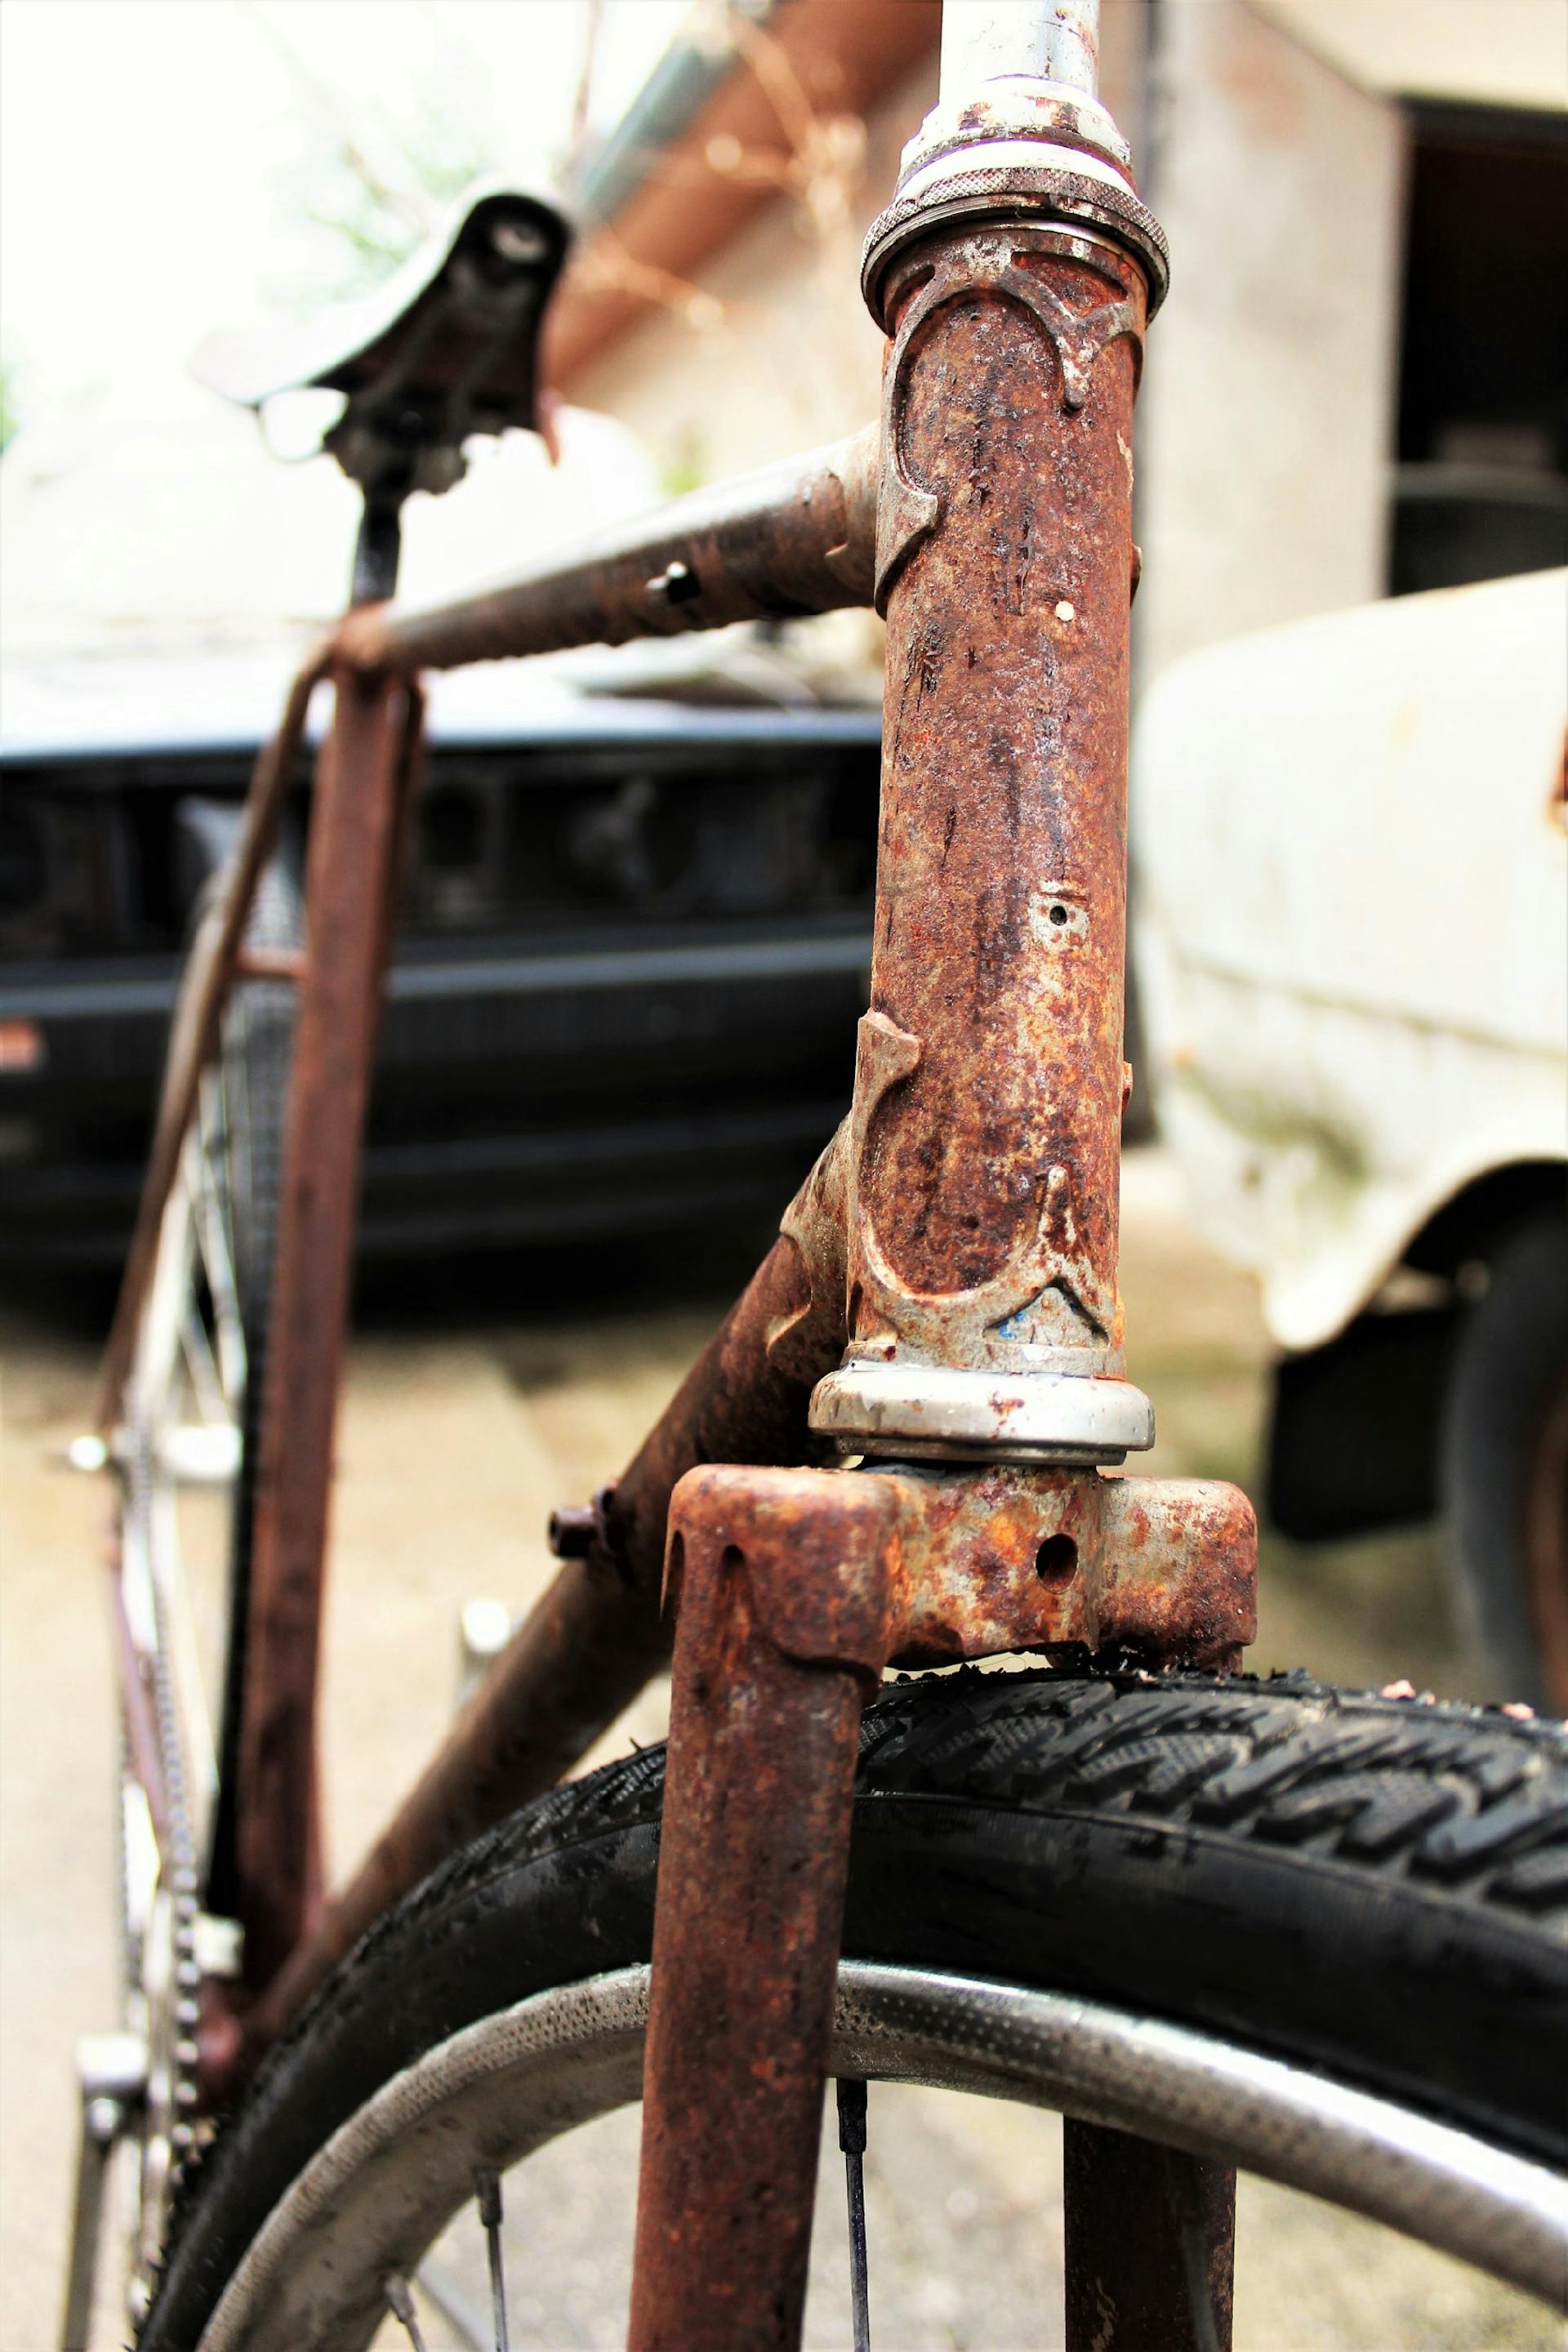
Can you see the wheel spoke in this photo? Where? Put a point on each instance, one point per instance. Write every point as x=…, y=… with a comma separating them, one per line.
x=217, y=1240
x=151, y=1395
x=852, y=2140
x=206, y=1371
x=488, y=2184
x=400, y=2303
x=206, y=1380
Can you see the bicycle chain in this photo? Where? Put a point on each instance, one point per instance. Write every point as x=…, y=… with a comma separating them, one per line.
x=177, y=1870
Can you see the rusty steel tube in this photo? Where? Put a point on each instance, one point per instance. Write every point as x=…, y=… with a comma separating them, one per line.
x=1013, y=274
x=783, y=1582
x=754, y=1862
x=353, y=826
x=1002, y=930
x=984, y=1178
x=1150, y=2245
x=794, y=539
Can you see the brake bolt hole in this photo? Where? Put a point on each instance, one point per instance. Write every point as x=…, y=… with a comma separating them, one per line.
x=1055, y=1559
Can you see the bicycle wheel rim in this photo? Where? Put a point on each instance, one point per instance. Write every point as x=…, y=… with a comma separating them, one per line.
x=380, y=2191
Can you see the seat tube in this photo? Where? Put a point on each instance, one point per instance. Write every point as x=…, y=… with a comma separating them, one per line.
x=354, y=835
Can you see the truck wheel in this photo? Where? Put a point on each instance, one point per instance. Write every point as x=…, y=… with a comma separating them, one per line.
x=1504, y=1465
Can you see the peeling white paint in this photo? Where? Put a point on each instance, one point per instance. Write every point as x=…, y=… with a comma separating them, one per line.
x=1353, y=927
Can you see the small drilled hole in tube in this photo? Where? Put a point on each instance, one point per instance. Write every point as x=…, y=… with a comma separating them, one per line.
x=1055, y=1559
x=1059, y=914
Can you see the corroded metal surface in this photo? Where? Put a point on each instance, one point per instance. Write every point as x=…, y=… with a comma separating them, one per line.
x=992, y=1055
x=962, y=1228
x=1002, y=1559
x=981, y=1176
x=1177, y=1577
x=990, y=1081
x=353, y=833
x=1151, y=2245
x=794, y=1590
x=983, y=1559
x=781, y=1637
x=792, y=539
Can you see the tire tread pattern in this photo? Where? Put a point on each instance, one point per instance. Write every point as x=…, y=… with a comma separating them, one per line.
x=1388, y=1835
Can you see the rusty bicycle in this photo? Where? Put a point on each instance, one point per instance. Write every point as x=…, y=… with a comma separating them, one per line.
x=1213, y=1921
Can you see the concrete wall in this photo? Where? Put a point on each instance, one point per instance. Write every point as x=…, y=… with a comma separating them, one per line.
x=1265, y=420
x=1506, y=53
x=791, y=360
x=794, y=358
x=1266, y=416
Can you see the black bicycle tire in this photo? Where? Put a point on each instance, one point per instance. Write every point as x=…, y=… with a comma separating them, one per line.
x=1162, y=1844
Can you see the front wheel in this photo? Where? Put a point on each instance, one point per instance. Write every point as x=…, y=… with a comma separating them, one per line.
x=1323, y=1937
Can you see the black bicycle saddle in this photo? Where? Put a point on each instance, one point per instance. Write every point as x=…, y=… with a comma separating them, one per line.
x=448, y=347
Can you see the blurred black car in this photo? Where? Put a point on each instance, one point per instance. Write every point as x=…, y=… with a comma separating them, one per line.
x=635, y=945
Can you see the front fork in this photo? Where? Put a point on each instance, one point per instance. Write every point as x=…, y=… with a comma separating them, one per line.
x=796, y=1589
x=982, y=1387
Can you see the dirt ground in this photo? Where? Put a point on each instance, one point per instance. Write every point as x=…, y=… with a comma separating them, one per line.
x=479, y=1396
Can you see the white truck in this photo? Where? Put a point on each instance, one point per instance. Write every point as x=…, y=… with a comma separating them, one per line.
x=1351, y=842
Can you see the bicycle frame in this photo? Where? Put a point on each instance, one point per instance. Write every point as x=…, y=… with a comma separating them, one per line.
x=941, y=1301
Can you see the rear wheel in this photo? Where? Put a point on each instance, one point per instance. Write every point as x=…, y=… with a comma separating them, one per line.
x=187, y=1457
x=1320, y=1935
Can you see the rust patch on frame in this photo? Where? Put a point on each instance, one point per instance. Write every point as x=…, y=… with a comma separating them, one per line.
x=989, y=1091
x=353, y=828
x=793, y=1590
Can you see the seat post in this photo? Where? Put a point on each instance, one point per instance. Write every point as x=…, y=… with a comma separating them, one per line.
x=378, y=546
